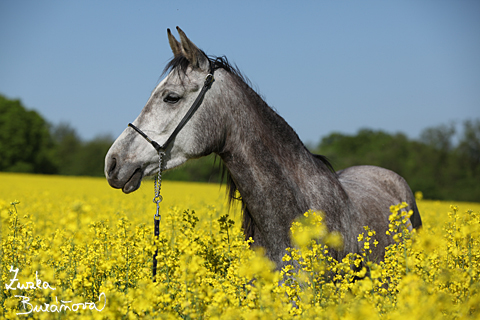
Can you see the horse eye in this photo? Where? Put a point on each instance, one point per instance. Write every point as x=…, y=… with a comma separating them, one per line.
x=171, y=98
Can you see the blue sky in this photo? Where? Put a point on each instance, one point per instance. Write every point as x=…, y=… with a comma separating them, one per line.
x=323, y=65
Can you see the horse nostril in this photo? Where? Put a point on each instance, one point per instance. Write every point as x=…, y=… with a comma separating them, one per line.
x=113, y=164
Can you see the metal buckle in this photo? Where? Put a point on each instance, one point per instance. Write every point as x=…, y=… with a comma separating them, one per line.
x=209, y=79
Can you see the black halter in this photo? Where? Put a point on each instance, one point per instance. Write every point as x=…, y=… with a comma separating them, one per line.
x=161, y=148
x=161, y=151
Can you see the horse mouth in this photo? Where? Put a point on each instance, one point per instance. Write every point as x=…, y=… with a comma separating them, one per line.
x=134, y=182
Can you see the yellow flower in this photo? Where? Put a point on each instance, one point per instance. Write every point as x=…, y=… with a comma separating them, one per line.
x=89, y=239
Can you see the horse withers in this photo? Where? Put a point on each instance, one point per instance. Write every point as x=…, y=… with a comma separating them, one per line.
x=277, y=177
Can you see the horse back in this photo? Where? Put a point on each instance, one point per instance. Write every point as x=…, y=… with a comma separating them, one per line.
x=372, y=190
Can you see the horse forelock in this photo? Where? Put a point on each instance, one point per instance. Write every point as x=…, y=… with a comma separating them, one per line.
x=179, y=63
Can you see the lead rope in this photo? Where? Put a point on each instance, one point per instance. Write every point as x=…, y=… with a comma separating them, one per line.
x=161, y=152
x=157, y=217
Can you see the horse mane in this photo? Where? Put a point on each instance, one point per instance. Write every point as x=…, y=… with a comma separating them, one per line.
x=180, y=64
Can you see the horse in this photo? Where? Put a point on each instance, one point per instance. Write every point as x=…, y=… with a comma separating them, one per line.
x=277, y=177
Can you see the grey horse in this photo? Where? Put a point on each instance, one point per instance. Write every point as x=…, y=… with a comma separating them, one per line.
x=277, y=177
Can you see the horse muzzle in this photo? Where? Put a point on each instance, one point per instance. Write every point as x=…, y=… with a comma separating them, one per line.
x=118, y=177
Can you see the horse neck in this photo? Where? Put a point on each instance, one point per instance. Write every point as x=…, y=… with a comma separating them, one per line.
x=277, y=177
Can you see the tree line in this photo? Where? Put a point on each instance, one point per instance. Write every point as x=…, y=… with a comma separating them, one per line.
x=442, y=163
x=28, y=143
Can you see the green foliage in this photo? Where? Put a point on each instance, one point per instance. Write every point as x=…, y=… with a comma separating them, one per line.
x=434, y=164
x=68, y=145
x=29, y=144
x=25, y=143
x=76, y=157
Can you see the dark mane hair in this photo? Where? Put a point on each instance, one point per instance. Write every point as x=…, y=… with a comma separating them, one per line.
x=180, y=64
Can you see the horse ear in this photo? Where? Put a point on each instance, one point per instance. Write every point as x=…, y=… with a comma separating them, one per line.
x=196, y=57
x=174, y=44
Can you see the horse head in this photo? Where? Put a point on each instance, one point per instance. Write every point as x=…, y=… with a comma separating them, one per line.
x=131, y=158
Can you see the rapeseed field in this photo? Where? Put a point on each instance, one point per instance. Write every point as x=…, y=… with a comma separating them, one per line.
x=74, y=248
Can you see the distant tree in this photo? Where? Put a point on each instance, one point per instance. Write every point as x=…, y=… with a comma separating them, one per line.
x=439, y=137
x=469, y=146
x=91, y=156
x=367, y=147
x=454, y=169
x=469, y=159
x=67, y=148
x=25, y=142
x=77, y=157
x=440, y=158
